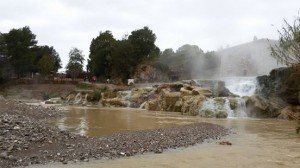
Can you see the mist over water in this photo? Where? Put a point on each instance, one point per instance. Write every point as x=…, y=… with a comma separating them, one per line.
x=242, y=86
x=244, y=60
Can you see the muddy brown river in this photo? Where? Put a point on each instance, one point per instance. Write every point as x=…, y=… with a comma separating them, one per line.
x=257, y=143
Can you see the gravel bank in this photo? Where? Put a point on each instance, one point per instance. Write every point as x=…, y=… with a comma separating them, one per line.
x=26, y=138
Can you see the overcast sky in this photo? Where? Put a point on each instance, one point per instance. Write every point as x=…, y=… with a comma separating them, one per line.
x=209, y=24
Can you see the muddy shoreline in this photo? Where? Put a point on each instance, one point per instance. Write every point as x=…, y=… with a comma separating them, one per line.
x=26, y=138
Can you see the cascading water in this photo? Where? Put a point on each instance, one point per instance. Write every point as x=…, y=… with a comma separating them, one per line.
x=216, y=107
x=240, y=111
x=78, y=98
x=125, y=96
x=231, y=107
x=242, y=86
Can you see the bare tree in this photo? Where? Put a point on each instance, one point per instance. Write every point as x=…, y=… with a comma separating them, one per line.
x=287, y=51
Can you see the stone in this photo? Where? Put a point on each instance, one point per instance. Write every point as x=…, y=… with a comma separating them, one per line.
x=192, y=104
x=221, y=114
x=225, y=143
x=260, y=107
x=207, y=113
x=152, y=105
x=290, y=113
x=281, y=82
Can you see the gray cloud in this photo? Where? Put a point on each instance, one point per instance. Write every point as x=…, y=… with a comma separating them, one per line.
x=208, y=24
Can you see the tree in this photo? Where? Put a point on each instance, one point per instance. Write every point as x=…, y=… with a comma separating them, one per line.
x=287, y=51
x=123, y=60
x=100, y=58
x=188, y=50
x=143, y=42
x=19, y=43
x=75, y=64
x=41, y=51
x=3, y=47
x=3, y=56
x=46, y=64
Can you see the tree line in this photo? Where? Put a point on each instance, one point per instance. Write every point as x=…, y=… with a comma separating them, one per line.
x=20, y=54
x=109, y=57
x=112, y=58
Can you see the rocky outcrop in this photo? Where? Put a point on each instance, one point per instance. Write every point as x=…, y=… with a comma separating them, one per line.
x=186, y=97
x=260, y=107
x=217, y=87
x=116, y=99
x=283, y=83
x=131, y=98
x=290, y=113
x=191, y=104
x=178, y=98
x=280, y=93
x=189, y=99
x=150, y=73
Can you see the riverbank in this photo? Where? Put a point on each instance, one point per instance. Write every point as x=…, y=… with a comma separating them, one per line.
x=267, y=143
x=27, y=138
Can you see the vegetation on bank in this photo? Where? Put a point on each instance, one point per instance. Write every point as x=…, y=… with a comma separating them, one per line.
x=288, y=53
x=288, y=49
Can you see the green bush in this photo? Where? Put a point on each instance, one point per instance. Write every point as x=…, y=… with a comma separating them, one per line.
x=95, y=96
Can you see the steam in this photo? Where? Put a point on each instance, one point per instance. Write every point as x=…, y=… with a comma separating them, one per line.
x=249, y=59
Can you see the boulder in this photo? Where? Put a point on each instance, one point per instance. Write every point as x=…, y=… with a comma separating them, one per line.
x=221, y=114
x=281, y=82
x=233, y=103
x=216, y=86
x=185, y=92
x=153, y=105
x=290, y=113
x=207, y=113
x=150, y=73
x=260, y=107
x=172, y=87
x=139, y=96
x=169, y=100
x=202, y=91
x=192, y=104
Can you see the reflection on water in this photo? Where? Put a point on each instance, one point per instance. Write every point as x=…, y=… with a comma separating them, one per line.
x=257, y=143
x=105, y=121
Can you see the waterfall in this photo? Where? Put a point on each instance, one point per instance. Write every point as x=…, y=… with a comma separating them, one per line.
x=142, y=106
x=125, y=97
x=240, y=110
x=216, y=107
x=222, y=107
x=85, y=101
x=78, y=98
x=231, y=107
x=242, y=86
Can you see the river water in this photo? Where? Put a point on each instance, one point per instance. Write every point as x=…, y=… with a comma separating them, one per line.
x=257, y=143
